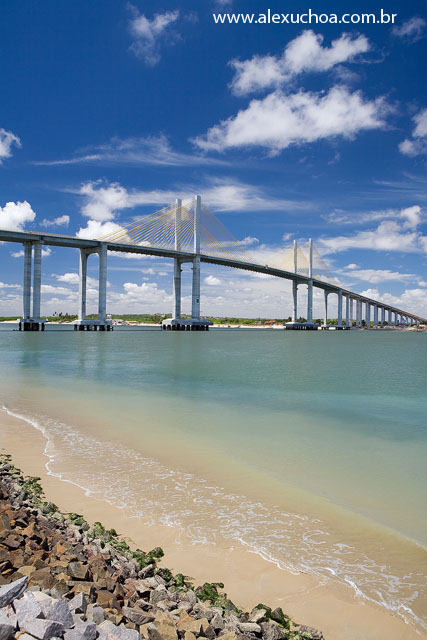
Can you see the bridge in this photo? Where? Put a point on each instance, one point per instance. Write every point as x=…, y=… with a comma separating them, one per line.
x=190, y=233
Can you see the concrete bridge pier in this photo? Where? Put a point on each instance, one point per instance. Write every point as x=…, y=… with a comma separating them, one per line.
x=195, y=323
x=375, y=315
x=295, y=301
x=102, y=324
x=383, y=316
x=347, y=311
x=325, y=319
x=367, y=314
x=339, y=311
x=310, y=284
x=32, y=322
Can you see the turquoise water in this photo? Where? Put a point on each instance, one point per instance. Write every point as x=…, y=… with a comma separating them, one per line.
x=308, y=447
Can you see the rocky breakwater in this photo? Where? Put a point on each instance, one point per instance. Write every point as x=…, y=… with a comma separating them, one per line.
x=61, y=578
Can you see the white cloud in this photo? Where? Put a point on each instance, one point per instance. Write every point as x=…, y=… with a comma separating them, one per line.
x=95, y=229
x=7, y=140
x=390, y=235
x=412, y=28
x=56, y=222
x=150, y=34
x=278, y=120
x=411, y=300
x=212, y=281
x=103, y=202
x=304, y=53
x=418, y=144
x=375, y=276
x=73, y=278
x=14, y=215
x=3, y=285
x=46, y=251
x=151, y=150
x=48, y=288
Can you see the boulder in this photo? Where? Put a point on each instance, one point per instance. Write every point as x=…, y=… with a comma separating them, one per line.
x=78, y=570
x=87, y=630
x=7, y=631
x=95, y=613
x=137, y=615
x=61, y=613
x=271, y=631
x=9, y=592
x=43, y=578
x=27, y=607
x=249, y=627
x=217, y=622
x=42, y=629
x=78, y=603
x=310, y=633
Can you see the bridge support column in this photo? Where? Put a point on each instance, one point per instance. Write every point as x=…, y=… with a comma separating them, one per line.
x=368, y=314
x=325, y=320
x=176, y=312
x=310, y=284
x=375, y=315
x=339, y=311
x=82, y=284
x=28, y=257
x=383, y=316
x=351, y=311
x=195, y=298
x=102, y=292
x=358, y=313
x=347, y=311
x=390, y=320
x=295, y=301
x=37, y=281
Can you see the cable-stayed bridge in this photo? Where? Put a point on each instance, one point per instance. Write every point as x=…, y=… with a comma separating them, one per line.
x=190, y=232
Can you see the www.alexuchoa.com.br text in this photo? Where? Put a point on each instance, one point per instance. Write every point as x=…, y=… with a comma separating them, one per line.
x=308, y=17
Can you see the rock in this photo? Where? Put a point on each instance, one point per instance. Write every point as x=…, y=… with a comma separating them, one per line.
x=8, y=616
x=10, y=592
x=87, y=631
x=190, y=596
x=78, y=603
x=158, y=596
x=189, y=636
x=142, y=587
x=136, y=615
x=188, y=623
x=161, y=632
x=271, y=631
x=78, y=570
x=249, y=627
x=217, y=622
x=42, y=629
x=7, y=631
x=61, y=613
x=146, y=571
x=200, y=610
x=45, y=602
x=278, y=616
x=43, y=578
x=95, y=613
x=228, y=635
x=27, y=570
x=27, y=607
x=257, y=615
x=310, y=633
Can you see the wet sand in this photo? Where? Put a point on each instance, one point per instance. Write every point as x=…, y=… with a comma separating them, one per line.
x=248, y=578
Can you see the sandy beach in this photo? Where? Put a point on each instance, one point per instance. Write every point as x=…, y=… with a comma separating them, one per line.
x=248, y=578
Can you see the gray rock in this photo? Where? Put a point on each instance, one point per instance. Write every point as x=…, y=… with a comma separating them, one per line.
x=8, y=616
x=128, y=634
x=249, y=627
x=78, y=603
x=257, y=615
x=27, y=607
x=137, y=615
x=42, y=629
x=158, y=596
x=217, y=622
x=107, y=628
x=146, y=571
x=9, y=592
x=87, y=630
x=61, y=613
x=190, y=596
x=312, y=634
x=7, y=631
x=95, y=613
x=45, y=603
x=271, y=631
x=200, y=610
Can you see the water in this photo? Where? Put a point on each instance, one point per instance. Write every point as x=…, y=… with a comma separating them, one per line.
x=308, y=447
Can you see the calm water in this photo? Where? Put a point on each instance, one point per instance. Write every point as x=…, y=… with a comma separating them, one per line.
x=308, y=447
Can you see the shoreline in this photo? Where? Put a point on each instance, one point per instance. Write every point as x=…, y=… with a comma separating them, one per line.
x=332, y=608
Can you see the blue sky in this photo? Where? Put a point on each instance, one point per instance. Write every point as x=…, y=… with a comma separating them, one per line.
x=110, y=110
